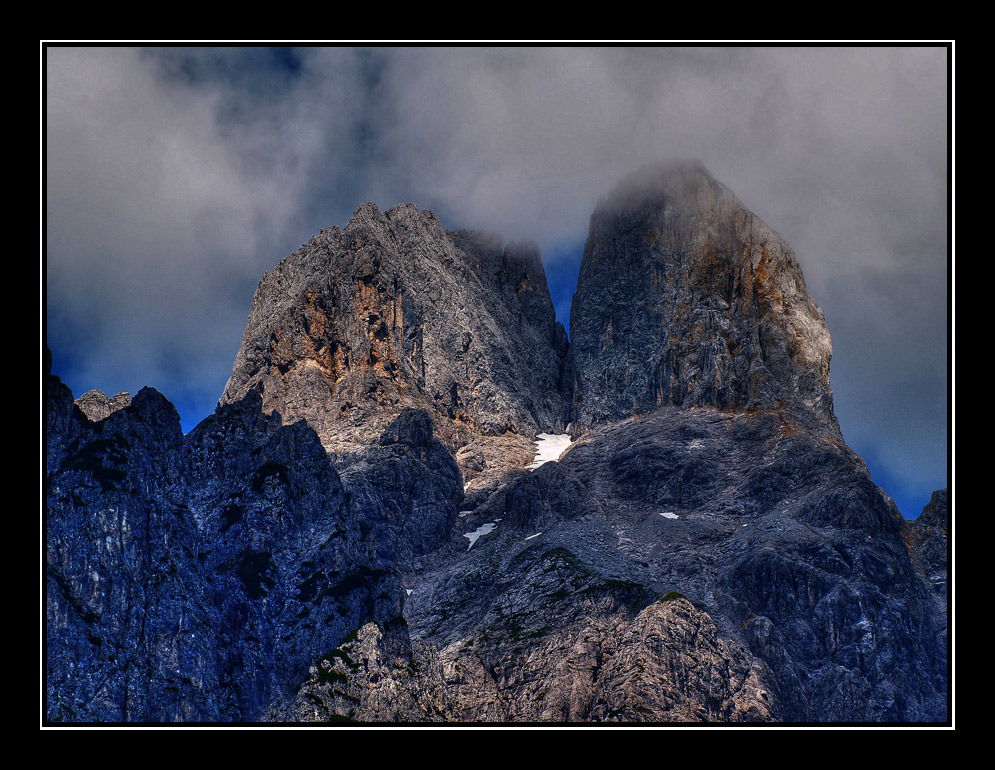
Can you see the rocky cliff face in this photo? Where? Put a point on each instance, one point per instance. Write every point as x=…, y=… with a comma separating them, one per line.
x=195, y=578
x=408, y=490
x=778, y=537
x=393, y=312
x=686, y=298
x=664, y=663
x=926, y=537
x=359, y=534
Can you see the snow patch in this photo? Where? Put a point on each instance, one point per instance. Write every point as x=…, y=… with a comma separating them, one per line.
x=409, y=590
x=486, y=529
x=669, y=515
x=549, y=448
x=696, y=444
x=532, y=536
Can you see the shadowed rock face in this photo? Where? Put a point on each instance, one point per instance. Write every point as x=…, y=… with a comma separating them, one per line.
x=686, y=298
x=408, y=490
x=195, y=578
x=927, y=539
x=807, y=606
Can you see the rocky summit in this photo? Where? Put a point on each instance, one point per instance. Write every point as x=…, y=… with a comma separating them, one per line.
x=686, y=298
x=418, y=502
x=393, y=312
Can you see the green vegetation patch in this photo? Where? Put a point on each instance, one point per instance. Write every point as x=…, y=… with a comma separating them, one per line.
x=327, y=674
x=396, y=623
x=339, y=654
x=622, y=589
x=309, y=587
x=560, y=555
x=362, y=579
x=331, y=676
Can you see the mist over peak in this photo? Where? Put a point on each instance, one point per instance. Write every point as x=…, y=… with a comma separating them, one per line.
x=176, y=176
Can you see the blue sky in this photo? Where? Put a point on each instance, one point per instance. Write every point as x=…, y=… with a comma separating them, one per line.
x=176, y=176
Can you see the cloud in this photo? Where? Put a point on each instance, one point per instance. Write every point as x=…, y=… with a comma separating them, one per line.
x=169, y=187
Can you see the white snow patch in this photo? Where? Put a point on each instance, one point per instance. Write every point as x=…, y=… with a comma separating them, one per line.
x=549, y=447
x=669, y=515
x=532, y=536
x=479, y=532
x=409, y=590
x=466, y=487
x=463, y=514
x=696, y=444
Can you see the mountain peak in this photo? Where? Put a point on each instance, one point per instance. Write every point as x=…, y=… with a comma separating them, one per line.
x=394, y=312
x=687, y=298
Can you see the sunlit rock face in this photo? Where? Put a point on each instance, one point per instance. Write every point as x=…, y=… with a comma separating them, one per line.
x=97, y=405
x=392, y=312
x=686, y=298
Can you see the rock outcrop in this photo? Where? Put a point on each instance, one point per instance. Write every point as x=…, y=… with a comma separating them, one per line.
x=96, y=405
x=928, y=539
x=686, y=298
x=393, y=312
x=665, y=664
x=195, y=578
x=126, y=611
x=926, y=536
